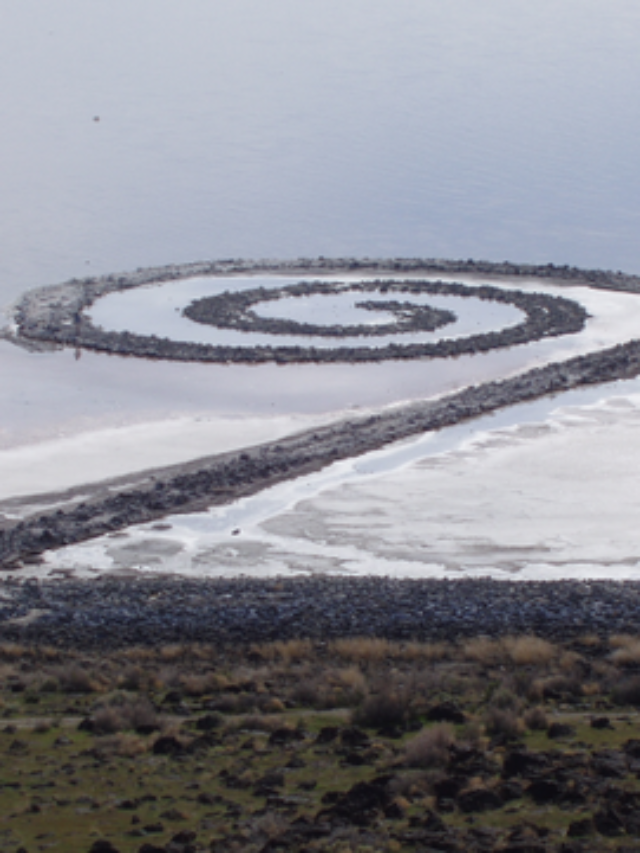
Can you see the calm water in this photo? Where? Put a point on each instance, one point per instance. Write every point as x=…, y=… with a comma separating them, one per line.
x=137, y=133
x=157, y=309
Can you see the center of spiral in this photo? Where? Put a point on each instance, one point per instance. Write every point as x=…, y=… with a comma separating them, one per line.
x=237, y=311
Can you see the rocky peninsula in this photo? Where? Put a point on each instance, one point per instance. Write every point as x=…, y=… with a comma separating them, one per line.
x=128, y=609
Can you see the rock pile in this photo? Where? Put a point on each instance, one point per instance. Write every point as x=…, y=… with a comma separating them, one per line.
x=109, y=612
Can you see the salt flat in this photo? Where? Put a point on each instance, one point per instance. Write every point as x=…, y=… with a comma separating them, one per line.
x=546, y=494
x=101, y=454
x=556, y=497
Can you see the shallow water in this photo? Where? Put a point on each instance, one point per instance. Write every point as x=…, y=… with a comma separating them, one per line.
x=157, y=309
x=46, y=395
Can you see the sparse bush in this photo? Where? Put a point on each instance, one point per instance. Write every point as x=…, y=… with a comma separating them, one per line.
x=119, y=712
x=233, y=703
x=133, y=678
x=430, y=748
x=627, y=692
x=75, y=679
x=529, y=651
x=349, y=685
x=535, y=719
x=505, y=700
x=287, y=651
x=197, y=685
x=172, y=652
x=256, y=723
x=140, y=654
x=471, y=734
x=123, y=745
x=620, y=641
x=271, y=705
x=310, y=692
x=483, y=650
x=362, y=649
x=571, y=662
x=271, y=824
x=48, y=684
x=425, y=651
x=566, y=688
x=387, y=709
x=12, y=651
x=333, y=688
x=500, y=722
x=627, y=654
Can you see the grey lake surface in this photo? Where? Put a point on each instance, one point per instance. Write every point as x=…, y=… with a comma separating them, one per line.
x=138, y=134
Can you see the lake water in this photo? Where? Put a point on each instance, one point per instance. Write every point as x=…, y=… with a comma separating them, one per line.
x=157, y=309
x=138, y=133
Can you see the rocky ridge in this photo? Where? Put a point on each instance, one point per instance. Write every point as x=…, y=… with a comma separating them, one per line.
x=113, y=612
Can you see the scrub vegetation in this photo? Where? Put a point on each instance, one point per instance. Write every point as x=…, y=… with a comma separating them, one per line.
x=360, y=744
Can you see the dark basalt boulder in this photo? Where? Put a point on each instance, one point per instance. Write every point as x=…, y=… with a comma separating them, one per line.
x=446, y=712
x=526, y=764
x=479, y=800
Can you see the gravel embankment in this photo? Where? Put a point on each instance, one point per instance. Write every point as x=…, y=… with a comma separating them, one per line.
x=109, y=612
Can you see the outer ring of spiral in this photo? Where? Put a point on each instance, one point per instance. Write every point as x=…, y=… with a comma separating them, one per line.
x=66, y=323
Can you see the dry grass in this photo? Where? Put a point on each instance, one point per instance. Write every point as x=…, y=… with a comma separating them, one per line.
x=536, y=719
x=521, y=651
x=74, y=678
x=121, y=745
x=482, y=650
x=287, y=651
x=570, y=661
x=626, y=650
x=529, y=651
x=503, y=722
x=13, y=651
x=391, y=685
x=389, y=708
x=199, y=684
x=134, y=678
x=120, y=711
x=617, y=641
x=430, y=748
x=332, y=687
x=365, y=650
x=256, y=723
x=425, y=652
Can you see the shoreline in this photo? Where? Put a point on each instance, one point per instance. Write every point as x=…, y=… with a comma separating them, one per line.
x=111, y=505
x=127, y=608
x=108, y=506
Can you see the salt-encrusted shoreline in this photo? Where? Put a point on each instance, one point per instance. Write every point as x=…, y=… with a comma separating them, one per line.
x=224, y=478
x=221, y=479
x=109, y=612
